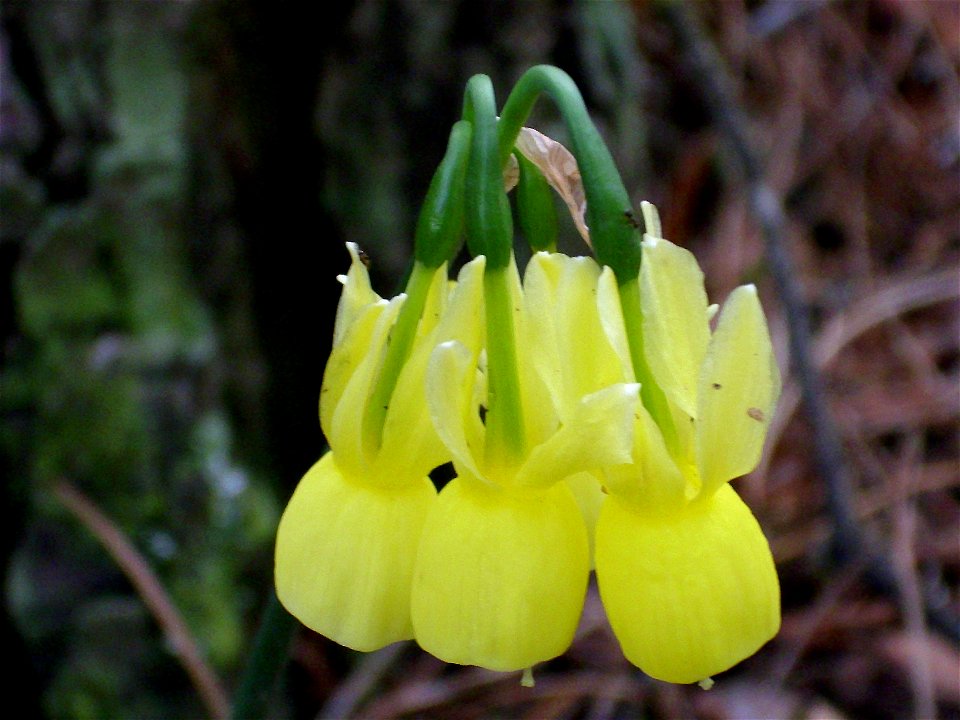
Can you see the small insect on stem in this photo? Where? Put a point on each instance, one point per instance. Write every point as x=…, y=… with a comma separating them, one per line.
x=363, y=257
x=756, y=414
x=628, y=214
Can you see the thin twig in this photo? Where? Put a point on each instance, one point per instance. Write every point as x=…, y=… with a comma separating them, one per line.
x=934, y=477
x=810, y=623
x=363, y=681
x=148, y=587
x=905, y=565
x=871, y=311
x=431, y=697
x=848, y=542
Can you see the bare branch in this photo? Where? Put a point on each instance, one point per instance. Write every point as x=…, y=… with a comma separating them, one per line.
x=154, y=596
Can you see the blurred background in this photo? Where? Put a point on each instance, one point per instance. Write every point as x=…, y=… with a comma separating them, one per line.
x=177, y=181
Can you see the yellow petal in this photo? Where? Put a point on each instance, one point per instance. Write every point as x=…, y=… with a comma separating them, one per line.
x=540, y=416
x=599, y=432
x=462, y=318
x=675, y=327
x=451, y=379
x=357, y=294
x=587, y=491
x=539, y=326
x=454, y=388
x=345, y=553
x=590, y=363
x=409, y=438
x=355, y=450
x=691, y=594
x=651, y=481
x=345, y=357
x=534, y=392
x=563, y=329
x=501, y=575
x=739, y=387
x=611, y=316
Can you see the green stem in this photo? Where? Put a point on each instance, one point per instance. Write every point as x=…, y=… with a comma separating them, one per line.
x=506, y=442
x=400, y=342
x=488, y=220
x=613, y=231
x=490, y=233
x=437, y=240
x=271, y=650
x=654, y=399
x=440, y=225
x=535, y=209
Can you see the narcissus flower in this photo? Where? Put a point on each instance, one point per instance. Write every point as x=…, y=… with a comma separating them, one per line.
x=592, y=416
x=348, y=537
x=502, y=569
x=685, y=573
x=565, y=302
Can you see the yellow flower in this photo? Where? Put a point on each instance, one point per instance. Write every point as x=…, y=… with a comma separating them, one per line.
x=685, y=573
x=575, y=356
x=347, y=540
x=503, y=563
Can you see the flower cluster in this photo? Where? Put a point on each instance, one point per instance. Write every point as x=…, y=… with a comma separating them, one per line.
x=591, y=414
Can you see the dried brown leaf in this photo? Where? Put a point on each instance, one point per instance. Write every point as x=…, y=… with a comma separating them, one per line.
x=511, y=174
x=560, y=169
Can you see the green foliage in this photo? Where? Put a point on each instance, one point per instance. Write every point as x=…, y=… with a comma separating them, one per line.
x=114, y=384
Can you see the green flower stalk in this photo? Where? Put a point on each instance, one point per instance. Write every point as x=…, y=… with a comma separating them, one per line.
x=613, y=232
x=437, y=240
x=614, y=237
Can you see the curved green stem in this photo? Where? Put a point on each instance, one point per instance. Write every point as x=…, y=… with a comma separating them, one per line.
x=437, y=240
x=488, y=221
x=440, y=225
x=613, y=231
x=490, y=232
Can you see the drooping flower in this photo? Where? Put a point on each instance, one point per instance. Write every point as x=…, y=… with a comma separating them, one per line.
x=347, y=540
x=685, y=573
x=503, y=563
x=547, y=396
x=575, y=357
